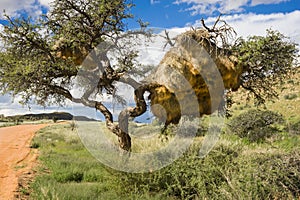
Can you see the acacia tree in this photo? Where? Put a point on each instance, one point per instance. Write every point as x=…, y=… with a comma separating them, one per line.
x=267, y=62
x=42, y=57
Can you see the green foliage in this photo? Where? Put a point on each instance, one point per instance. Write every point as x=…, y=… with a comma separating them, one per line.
x=232, y=170
x=267, y=62
x=290, y=81
x=290, y=96
x=294, y=128
x=65, y=176
x=278, y=175
x=223, y=174
x=54, y=119
x=30, y=64
x=35, y=145
x=74, y=173
x=89, y=21
x=255, y=125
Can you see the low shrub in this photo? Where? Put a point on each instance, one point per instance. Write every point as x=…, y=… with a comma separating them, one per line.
x=290, y=81
x=73, y=125
x=189, y=177
x=294, y=128
x=255, y=125
x=280, y=175
x=223, y=174
x=54, y=119
x=290, y=96
x=35, y=145
x=69, y=176
x=93, y=175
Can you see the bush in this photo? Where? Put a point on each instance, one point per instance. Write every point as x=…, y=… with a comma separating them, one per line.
x=223, y=174
x=73, y=125
x=290, y=96
x=189, y=177
x=255, y=125
x=280, y=175
x=69, y=176
x=294, y=128
x=54, y=119
x=35, y=145
x=93, y=175
x=290, y=82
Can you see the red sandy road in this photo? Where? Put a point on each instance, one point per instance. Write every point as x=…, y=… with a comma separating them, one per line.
x=15, y=150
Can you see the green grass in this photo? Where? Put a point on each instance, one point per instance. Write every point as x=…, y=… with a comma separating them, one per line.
x=5, y=124
x=11, y=123
x=68, y=171
x=234, y=169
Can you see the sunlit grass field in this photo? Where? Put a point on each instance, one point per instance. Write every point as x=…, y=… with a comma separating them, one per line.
x=266, y=167
x=234, y=169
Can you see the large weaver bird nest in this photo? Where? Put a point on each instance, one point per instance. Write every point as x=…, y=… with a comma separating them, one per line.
x=180, y=74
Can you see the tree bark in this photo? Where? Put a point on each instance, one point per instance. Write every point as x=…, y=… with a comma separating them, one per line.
x=141, y=108
x=124, y=138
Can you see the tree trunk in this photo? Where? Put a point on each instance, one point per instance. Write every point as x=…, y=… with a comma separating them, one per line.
x=141, y=108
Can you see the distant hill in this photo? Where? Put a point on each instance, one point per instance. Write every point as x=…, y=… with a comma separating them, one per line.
x=83, y=118
x=50, y=116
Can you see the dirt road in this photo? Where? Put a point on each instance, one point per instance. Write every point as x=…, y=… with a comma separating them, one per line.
x=16, y=157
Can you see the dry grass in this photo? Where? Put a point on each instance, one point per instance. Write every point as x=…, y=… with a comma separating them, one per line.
x=289, y=108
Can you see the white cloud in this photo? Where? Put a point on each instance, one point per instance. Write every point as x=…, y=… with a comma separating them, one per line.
x=154, y=2
x=258, y=2
x=45, y=3
x=209, y=6
x=233, y=5
x=9, y=107
x=12, y=8
x=223, y=6
x=253, y=24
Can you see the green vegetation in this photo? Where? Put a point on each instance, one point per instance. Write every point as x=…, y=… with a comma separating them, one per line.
x=295, y=127
x=228, y=172
x=235, y=169
x=9, y=122
x=37, y=117
x=256, y=125
x=290, y=96
x=5, y=124
x=268, y=62
x=257, y=156
x=47, y=56
x=68, y=170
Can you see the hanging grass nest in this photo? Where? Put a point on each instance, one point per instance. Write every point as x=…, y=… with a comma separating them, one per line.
x=194, y=75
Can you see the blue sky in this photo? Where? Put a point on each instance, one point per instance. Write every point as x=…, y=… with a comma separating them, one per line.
x=170, y=13
x=248, y=17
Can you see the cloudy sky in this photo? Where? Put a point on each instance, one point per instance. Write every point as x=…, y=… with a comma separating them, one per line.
x=248, y=17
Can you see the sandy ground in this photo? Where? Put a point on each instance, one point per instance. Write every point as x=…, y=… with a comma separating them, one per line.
x=16, y=157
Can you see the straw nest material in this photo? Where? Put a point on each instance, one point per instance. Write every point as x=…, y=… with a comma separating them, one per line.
x=194, y=75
